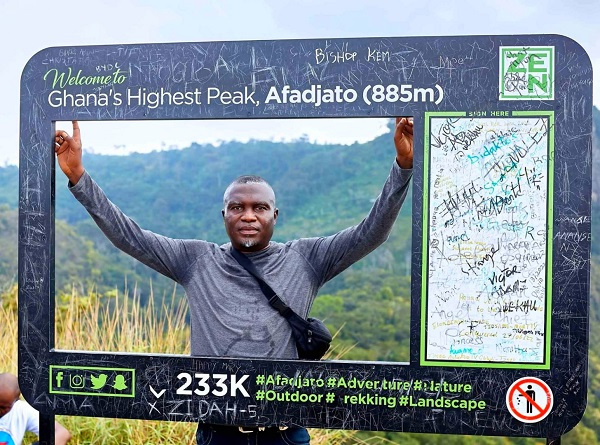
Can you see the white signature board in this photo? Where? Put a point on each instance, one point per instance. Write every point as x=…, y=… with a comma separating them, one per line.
x=486, y=279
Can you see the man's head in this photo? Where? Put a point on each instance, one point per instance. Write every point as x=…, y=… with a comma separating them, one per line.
x=249, y=213
x=9, y=392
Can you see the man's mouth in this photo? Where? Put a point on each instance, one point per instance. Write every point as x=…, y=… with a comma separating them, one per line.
x=248, y=230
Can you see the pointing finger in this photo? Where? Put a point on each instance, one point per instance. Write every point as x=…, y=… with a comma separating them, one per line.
x=76, y=133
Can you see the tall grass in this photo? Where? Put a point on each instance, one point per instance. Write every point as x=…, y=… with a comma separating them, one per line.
x=118, y=322
x=8, y=331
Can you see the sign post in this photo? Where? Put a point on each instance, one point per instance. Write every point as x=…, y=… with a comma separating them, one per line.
x=501, y=230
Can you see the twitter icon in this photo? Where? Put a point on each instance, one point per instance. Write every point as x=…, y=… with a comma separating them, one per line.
x=98, y=382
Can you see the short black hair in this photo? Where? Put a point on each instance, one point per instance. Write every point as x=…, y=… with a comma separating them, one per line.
x=248, y=179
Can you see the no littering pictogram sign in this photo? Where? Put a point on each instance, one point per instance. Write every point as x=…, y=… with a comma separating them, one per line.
x=529, y=399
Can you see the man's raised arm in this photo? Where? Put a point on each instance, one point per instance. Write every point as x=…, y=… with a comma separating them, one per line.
x=403, y=140
x=170, y=257
x=330, y=255
x=68, y=153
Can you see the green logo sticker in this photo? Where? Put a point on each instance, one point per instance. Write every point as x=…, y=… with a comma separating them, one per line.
x=526, y=73
x=92, y=381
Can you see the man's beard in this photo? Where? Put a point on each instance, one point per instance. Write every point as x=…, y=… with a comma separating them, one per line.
x=247, y=243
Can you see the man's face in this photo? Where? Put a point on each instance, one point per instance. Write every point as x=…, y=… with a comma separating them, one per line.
x=250, y=216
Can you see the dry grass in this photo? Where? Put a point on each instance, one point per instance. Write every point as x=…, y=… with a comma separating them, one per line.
x=125, y=324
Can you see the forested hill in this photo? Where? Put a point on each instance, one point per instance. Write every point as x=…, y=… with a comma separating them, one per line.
x=320, y=189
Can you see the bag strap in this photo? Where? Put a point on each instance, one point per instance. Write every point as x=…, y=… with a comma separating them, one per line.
x=274, y=300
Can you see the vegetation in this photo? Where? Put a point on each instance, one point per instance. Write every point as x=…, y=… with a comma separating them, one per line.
x=377, y=306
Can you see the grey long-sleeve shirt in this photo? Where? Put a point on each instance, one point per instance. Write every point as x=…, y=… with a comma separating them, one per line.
x=229, y=314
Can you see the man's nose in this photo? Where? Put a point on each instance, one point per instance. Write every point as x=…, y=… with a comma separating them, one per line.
x=249, y=215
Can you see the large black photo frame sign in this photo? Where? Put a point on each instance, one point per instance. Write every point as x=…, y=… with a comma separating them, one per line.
x=501, y=230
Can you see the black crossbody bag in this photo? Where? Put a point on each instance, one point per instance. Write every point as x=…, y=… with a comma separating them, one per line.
x=311, y=335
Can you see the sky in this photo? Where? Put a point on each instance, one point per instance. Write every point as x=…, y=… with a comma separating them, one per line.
x=30, y=26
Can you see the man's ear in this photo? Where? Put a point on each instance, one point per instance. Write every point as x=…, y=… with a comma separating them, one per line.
x=275, y=215
x=223, y=213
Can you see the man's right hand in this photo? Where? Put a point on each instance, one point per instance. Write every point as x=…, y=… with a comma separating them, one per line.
x=68, y=153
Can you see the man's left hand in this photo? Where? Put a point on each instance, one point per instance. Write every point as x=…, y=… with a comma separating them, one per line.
x=403, y=140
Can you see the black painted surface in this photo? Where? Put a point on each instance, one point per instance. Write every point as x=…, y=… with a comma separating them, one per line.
x=465, y=69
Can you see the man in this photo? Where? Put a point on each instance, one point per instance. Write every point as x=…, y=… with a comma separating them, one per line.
x=18, y=417
x=229, y=314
